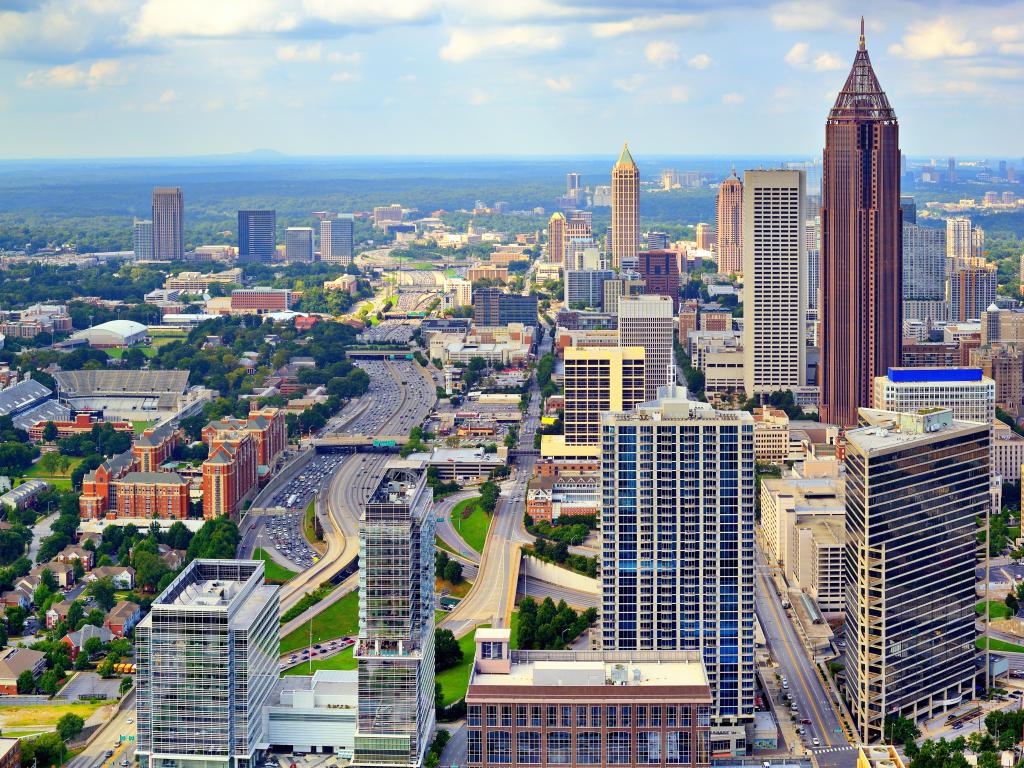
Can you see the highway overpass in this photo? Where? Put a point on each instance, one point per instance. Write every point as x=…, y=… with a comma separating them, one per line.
x=342, y=443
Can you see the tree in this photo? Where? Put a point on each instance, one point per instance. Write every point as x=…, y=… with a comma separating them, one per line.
x=453, y=572
x=26, y=682
x=447, y=651
x=48, y=462
x=126, y=685
x=47, y=579
x=78, y=569
x=1012, y=603
x=16, y=616
x=50, y=432
x=69, y=726
x=178, y=536
x=48, y=749
x=105, y=668
x=76, y=614
x=103, y=591
x=91, y=647
x=49, y=682
x=901, y=729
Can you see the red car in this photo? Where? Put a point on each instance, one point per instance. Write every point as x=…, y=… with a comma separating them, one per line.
x=806, y=721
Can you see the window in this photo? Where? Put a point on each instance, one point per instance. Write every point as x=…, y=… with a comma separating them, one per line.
x=559, y=748
x=625, y=716
x=521, y=715
x=648, y=747
x=499, y=747
x=610, y=716
x=535, y=719
x=686, y=713
x=581, y=717
x=492, y=715
x=506, y=716
x=528, y=747
x=677, y=748
x=473, y=714
x=619, y=748
x=566, y=720
x=595, y=717
x=670, y=716
x=704, y=716
x=588, y=748
x=552, y=716
x=641, y=717
x=473, y=747
x=655, y=717
x=491, y=650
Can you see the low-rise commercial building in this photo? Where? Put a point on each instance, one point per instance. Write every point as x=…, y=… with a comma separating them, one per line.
x=970, y=394
x=313, y=713
x=462, y=465
x=585, y=707
x=199, y=282
x=260, y=300
x=771, y=435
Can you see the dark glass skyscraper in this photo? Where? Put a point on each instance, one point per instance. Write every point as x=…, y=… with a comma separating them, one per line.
x=257, y=235
x=861, y=251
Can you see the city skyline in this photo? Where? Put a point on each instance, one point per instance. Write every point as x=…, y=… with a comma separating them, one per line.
x=133, y=76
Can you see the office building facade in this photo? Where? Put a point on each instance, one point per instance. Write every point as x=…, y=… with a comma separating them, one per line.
x=924, y=268
x=729, y=225
x=257, y=235
x=861, y=253
x=660, y=272
x=627, y=284
x=677, y=540
x=168, y=224
x=298, y=244
x=966, y=391
x=584, y=288
x=648, y=322
x=598, y=380
x=207, y=656
x=915, y=485
x=395, y=648
x=492, y=306
x=774, y=281
x=556, y=238
x=625, y=211
x=959, y=240
x=142, y=239
x=337, y=239
x=971, y=290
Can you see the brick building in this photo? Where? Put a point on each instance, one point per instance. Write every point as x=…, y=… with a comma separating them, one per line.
x=155, y=446
x=267, y=427
x=230, y=473
x=80, y=425
x=260, y=300
x=152, y=494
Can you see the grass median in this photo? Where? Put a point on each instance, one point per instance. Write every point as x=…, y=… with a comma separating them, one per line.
x=471, y=522
x=340, y=619
x=272, y=570
x=998, y=645
x=455, y=681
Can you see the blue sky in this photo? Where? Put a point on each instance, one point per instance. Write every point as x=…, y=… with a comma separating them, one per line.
x=83, y=78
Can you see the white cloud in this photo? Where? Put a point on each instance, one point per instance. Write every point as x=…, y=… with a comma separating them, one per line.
x=797, y=55
x=293, y=52
x=629, y=84
x=344, y=77
x=159, y=19
x=645, y=24
x=465, y=44
x=102, y=72
x=561, y=84
x=825, y=62
x=733, y=98
x=661, y=52
x=352, y=57
x=163, y=102
x=478, y=97
x=802, y=15
x=168, y=97
x=938, y=39
x=701, y=61
x=1007, y=34
x=678, y=94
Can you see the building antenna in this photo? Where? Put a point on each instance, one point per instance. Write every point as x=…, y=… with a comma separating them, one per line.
x=862, y=46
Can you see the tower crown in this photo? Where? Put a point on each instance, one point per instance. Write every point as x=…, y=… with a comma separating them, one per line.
x=862, y=97
x=625, y=159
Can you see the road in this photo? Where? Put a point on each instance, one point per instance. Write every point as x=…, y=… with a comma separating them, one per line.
x=805, y=687
x=107, y=736
x=447, y=532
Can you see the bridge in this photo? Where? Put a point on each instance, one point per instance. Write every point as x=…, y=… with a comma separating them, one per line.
x=395, y=353
x=340, y=443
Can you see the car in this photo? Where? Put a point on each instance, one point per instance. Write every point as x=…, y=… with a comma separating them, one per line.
x=124, y=763
x=806, y=721
x=109, y=753
x=130, y=720
x=815, y=741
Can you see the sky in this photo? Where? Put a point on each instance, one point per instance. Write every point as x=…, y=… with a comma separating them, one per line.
x=154, y=78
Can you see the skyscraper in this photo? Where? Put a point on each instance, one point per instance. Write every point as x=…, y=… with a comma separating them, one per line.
x=298, y=244
x=959, y=242
x=596, y=380
x=625, y=211
x=971, y=290
x=168, y=224
x=660, y=272
x=951, y=170
x=395, y=649
x=257, y=235
x=924, y=271
x=142, y=239
x=909, y=208
x=915, y=485
x=677, y=553
x=648, y=321
x=704, y=237
x=729, y=225
x=774, y=281
x=861, y=258
x=336, y=239
x=207, y=656
x=556, y=238
x=812, y=243
x=572, y=185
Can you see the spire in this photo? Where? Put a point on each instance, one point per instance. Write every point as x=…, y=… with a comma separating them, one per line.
x=625, y=158
x=862, y=97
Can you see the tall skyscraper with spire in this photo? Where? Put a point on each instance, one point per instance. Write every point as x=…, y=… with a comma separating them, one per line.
x=625, y=211
x=861, y=251
x=729, y=225
x=556, y=238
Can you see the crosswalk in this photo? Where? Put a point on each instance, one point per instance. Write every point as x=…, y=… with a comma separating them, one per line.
x=825, y=750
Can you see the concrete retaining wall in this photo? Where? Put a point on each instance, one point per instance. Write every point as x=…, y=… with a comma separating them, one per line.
x=553, y=574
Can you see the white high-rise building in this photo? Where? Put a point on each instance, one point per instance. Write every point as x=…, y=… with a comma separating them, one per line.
x=924, y=270
x=648, y=321
x=959, y=241
x=774, y=281
x=337, y=239
x=969, y=394
x=677, y=549
x=142, y=239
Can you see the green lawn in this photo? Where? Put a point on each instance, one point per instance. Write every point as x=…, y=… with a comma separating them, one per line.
x=338, y=620
x=999, y=645
x=514, y=626
x=308, y=523
x=141, y=426
x=341, y=660
x=996, y=610
x=118, y=353
x=272, y=571
x=471, y=522
x=60, y=480
x=455, y=681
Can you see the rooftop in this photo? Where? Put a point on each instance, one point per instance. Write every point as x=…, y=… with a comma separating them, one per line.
x=888, y=430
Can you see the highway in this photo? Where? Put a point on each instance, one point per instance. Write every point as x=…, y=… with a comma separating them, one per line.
x=805, y=686
x=108, y=737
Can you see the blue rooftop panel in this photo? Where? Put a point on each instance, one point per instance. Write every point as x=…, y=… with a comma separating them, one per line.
x=911, y=375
